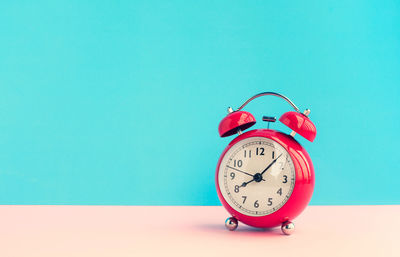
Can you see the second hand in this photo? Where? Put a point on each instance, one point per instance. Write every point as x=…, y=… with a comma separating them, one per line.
x=239, y=170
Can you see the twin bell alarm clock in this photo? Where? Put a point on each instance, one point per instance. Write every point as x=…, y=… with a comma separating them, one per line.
x=264, y=177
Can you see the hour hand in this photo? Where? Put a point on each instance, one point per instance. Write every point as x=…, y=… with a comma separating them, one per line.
x=244, y=184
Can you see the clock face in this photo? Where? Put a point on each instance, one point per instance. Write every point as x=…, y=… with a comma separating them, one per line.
x=256, y=176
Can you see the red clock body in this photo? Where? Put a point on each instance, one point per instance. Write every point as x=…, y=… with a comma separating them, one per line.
x=303, y=185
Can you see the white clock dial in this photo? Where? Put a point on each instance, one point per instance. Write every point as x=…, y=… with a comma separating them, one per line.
x=256, y=176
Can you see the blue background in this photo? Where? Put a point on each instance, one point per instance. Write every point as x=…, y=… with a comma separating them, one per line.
x=111, y=102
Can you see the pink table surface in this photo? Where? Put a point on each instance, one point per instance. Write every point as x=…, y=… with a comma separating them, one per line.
x=193, y=231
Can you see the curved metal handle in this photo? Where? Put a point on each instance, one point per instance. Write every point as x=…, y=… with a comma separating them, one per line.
x=269, y=93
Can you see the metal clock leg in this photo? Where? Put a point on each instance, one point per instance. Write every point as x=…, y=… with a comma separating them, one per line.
x=231, y=223
x=287, y=227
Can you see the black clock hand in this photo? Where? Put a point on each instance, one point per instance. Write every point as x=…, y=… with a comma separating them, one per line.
x=272, y=163
x=239, y=170
x=258, y=176
x=245, y=183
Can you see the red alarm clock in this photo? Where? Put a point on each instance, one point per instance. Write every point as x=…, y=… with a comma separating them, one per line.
x=264, y=177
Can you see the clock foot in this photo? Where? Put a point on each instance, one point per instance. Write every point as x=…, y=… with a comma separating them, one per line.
x=231, y=223
x=287, y=228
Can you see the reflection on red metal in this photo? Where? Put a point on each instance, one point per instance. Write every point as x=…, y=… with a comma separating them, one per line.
x=300, y=123
x=235, y=121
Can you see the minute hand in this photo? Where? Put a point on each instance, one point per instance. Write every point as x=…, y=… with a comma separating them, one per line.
x=272, y=163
